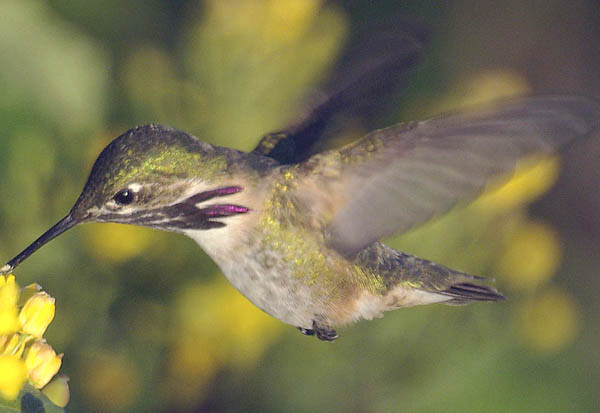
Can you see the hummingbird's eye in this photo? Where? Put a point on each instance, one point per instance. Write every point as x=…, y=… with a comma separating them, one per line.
x=124, y=197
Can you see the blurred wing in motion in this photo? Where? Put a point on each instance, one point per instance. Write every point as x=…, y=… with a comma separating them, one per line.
x=395, y=178
x=382, y=62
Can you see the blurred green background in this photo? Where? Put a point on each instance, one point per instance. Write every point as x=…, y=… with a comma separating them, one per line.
x=146, y=321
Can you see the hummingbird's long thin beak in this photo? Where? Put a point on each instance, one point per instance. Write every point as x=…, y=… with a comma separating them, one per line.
x=60, y=227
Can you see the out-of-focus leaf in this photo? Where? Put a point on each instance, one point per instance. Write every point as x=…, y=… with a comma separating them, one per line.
x=29, y=400
x=51, y=67
x=242, y=79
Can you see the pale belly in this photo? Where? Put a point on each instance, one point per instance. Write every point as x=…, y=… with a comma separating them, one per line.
x=265, y=279
x=262, y=279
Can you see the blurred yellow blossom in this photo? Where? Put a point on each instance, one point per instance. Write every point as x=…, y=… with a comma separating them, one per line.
x=109, y=381
x=549, y=321
x=32, y=310
x=532, y=177
x=491, y=85
x=42, y=362
x=287, y=20
x=58, y=390
x=215, y=326
x=13, y=377
x=201, y=308
x=37, y=314
x=282, y=21
x=193, y=362
x=531, y=256
x=475, y=89
x=117, y=242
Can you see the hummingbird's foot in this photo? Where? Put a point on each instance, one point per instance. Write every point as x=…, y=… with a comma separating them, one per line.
x=306, y=331
x=324, y=333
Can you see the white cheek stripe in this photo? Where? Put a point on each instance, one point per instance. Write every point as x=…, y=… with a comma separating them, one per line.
x=135, y=187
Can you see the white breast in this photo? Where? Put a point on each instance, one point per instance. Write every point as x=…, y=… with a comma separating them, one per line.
x=261, y=276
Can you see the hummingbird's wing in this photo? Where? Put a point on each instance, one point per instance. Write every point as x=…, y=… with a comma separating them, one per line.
x=395, y=178
x=371, y=70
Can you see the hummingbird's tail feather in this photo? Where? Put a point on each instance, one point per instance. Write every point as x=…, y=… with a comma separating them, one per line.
x=411, y=280
x=464, y=293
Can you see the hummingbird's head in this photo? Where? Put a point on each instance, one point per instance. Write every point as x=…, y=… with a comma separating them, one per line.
x=153, y=176
x=145, y=175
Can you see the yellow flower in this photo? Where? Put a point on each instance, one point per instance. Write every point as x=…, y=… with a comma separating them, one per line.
x=116, y=242
x=532, y=255
x=28, y=292
x=17, y=333
x=549, y=321
x=58, y=391
x=12, y=345
x=9, y=295
x=7, y=279
x=14, y=375
x=533, y=176
x=111, y=381
x=36, y=314
x=42, y=363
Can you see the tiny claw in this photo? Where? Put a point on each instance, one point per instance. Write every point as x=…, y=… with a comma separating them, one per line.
x=324, y=332
x=306, y=331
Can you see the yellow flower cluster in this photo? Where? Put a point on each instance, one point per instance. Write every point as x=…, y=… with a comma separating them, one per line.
x=24, y=355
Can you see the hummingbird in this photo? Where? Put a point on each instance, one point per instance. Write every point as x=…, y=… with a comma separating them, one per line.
x=297, y=232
